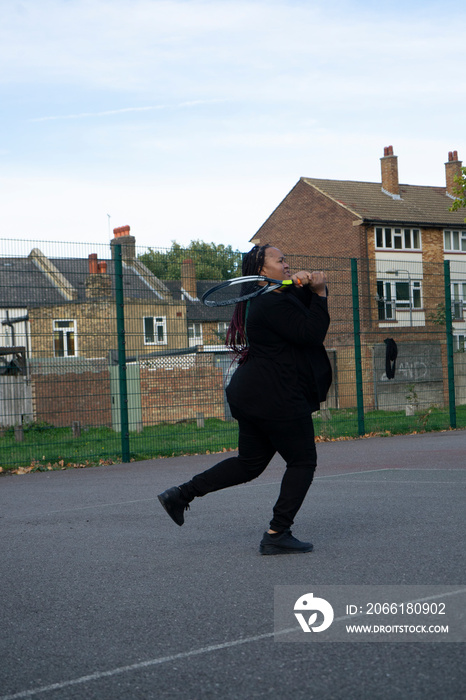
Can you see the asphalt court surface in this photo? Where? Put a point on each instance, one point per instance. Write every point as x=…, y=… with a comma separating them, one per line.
x=103, y=596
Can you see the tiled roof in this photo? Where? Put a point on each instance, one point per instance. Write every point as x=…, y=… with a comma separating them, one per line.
x=76, y=271
x=418, y=204
x=24, y=284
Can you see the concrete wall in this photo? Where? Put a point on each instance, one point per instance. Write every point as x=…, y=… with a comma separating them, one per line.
x=418, y=369
x=459, y=359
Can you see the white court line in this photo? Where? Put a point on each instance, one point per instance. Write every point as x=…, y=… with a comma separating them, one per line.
x=369, y=481
x=98, y=675
x=253, y=484
x=154, y=498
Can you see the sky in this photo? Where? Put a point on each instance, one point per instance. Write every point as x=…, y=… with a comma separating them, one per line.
x=193, y=119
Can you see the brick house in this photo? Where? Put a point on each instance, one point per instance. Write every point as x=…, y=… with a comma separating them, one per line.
x=65, y=307
x=60, y=314
x=400, y=234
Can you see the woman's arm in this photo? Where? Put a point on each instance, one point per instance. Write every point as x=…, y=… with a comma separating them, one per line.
x=297, y=323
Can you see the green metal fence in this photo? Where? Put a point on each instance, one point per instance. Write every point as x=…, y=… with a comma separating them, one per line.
x=107, y=354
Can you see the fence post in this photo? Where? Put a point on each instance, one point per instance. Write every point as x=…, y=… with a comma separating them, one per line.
x=357, y=345
x=120, y=318
x=449, y=334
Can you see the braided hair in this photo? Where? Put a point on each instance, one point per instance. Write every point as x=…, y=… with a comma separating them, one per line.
x=236, y=339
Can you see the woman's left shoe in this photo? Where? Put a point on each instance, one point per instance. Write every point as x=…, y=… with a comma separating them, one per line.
x=174, y=503
x=283, y=543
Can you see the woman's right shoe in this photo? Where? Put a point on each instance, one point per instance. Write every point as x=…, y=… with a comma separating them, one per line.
x=174, y=503
x=283, y=543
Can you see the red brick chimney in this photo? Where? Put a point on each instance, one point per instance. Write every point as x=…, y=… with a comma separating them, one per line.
x=188, y=278
x=389, y=164
x=128, y=243
x=452, y=169
x=98, y=284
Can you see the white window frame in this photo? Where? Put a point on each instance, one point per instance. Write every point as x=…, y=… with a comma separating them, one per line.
x=458, y=300
x=8, y=335
x=66, y=339
x=392, y=302
x=459, y=341
x=398, y=234
x=222, y=327
x=452, y=237
x=159, y=323
x=194, y=334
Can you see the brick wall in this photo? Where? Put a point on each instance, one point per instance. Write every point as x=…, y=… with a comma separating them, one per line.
x=170, y=395
x=60, y=399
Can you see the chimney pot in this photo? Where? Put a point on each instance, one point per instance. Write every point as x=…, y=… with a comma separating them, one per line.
x=121, y=231
x=93, y=264
x=102, y=266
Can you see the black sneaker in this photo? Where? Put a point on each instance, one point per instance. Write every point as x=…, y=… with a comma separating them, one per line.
x=174, y=503
x=284, y=543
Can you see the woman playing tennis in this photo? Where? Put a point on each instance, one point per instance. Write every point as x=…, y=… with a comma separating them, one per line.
x=282, y=376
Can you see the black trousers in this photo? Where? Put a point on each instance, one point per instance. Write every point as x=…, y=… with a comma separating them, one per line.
x=259, y=440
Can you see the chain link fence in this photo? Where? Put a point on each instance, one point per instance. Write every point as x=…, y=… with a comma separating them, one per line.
x=107, y=353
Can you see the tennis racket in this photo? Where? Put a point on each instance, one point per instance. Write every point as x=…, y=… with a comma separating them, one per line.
x=241, y=289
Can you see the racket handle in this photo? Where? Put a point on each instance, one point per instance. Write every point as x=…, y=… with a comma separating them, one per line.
x=289, y=283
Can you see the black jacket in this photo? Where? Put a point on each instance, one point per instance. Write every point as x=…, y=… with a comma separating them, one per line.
x=287, y=371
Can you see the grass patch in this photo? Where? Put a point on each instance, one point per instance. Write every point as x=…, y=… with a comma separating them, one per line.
x=344, y=422
x=45, y=447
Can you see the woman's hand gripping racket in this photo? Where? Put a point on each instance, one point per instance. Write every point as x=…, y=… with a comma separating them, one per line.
x=241, y=289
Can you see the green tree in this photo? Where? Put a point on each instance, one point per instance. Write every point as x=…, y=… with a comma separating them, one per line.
x=460, y=192
x=213, y=262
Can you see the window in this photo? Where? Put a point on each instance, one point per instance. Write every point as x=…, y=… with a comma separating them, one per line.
x=64, y=338
x=458, y=298
x=392, y=295
x=454, y=241
x=194, y=334
x=384, y=301
x=459, y=342
x=155, y=330
x=222, y=327
x=9, y=335
x=398, y=238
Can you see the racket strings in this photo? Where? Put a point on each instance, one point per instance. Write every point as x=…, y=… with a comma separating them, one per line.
x=236, y=290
